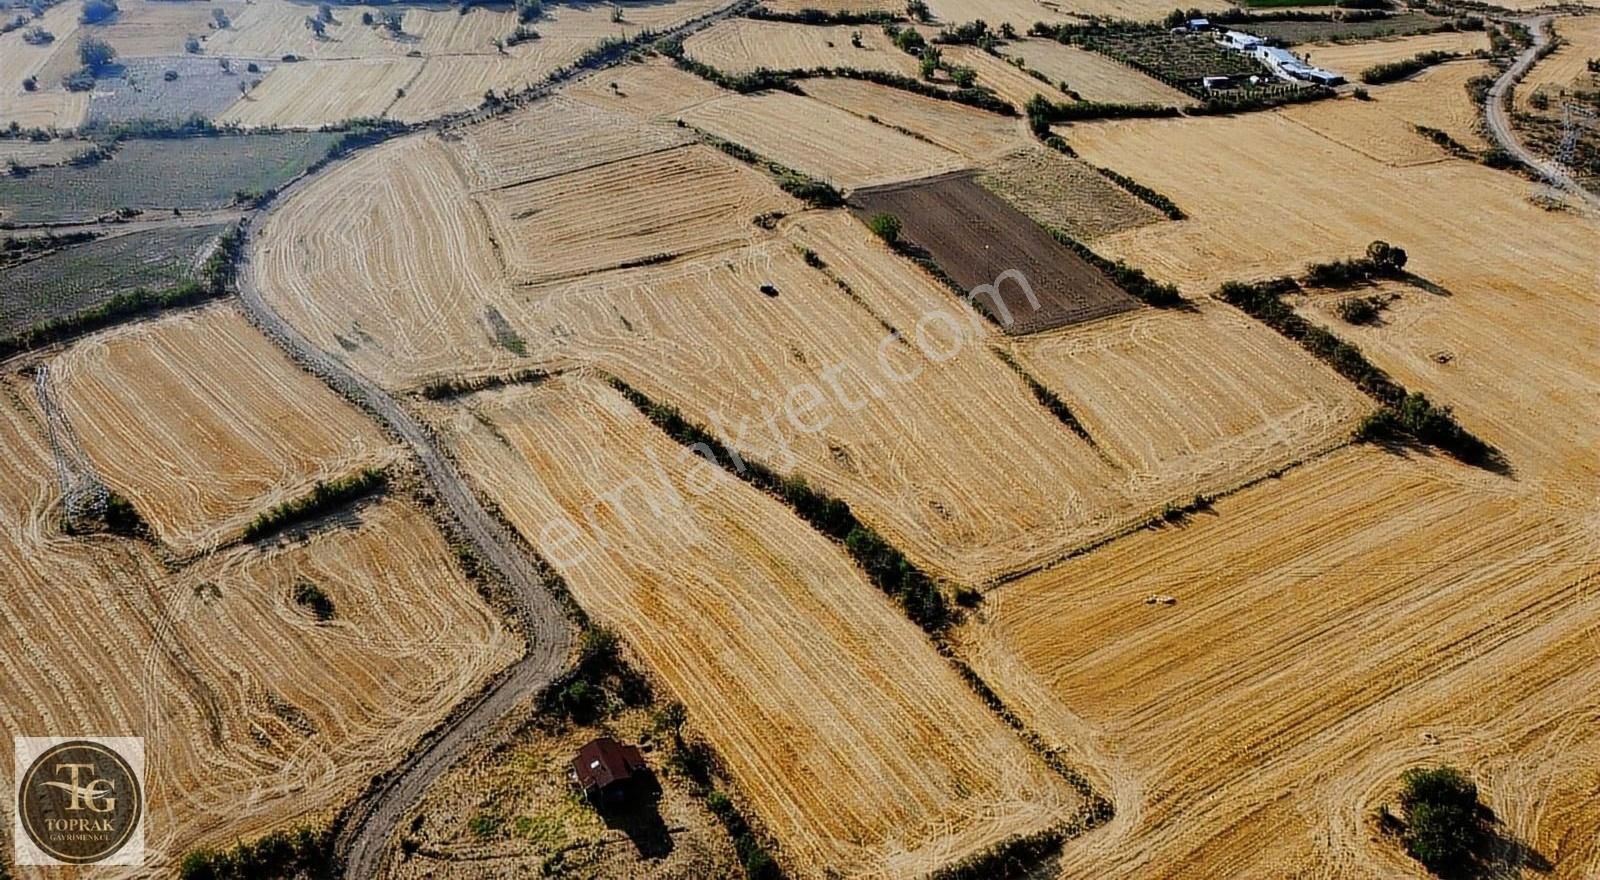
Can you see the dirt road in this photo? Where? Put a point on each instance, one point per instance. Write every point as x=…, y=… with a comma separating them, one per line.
x=369, y=827
x=1499, y=116
x=364, y=839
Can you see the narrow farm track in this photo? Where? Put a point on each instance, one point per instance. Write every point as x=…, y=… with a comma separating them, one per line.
x=365, y=836
x=1498, y=115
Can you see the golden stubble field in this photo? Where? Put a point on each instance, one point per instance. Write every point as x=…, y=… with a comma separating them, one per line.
x=1090, y=74
x=203, y=424
x=1352, y=58
x=740, y=45
x=1384, y=128
x=1517, y=283
x=256, y=716
x=1365, y=614
x=858, y=746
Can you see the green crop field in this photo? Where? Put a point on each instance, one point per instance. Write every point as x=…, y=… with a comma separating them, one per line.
x=186, y=173
x=84, y=276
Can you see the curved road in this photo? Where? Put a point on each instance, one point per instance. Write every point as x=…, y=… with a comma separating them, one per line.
x=1498, y=115
x=364, y=838
x=367, y=830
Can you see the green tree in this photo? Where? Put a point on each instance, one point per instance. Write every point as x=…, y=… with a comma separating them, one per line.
x=931, y=59
x=1443, y=826
x=97, y=11
x=885, y=226
x=965, y=77
x=95, y=53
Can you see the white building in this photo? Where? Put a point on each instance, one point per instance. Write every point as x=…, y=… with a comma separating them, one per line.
x=1288, y=65
x=1240, y=41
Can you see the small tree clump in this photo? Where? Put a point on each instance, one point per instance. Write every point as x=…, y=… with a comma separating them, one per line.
x=97, y=11
x=96, y=54
x=885, y=226
x=1443, y=827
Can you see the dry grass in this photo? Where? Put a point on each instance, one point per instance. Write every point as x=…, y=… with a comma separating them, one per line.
x=1066, y=193
x=1564, y=68
x=1384, y=128
x=836, y=5
x=1004, y=78
x=740, y=45
x=1020, y=13
x=1193, y=401
x=52, y=105
x=258, y=717
x=858, y=747
x=1365, y=614
x=820, y=139
x=971, y=133
x=388, y=261
x=35, y=153
x=272, y=28
x=1266, y=196
x=653, y=89
x=1352, y=58
x=203, y=424
x=556, y=136
x=1092, y=75
x=645, y=208
x=312, y=93
x=537, y=822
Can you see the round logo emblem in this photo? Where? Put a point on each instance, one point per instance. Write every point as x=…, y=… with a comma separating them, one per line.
x=79, y=802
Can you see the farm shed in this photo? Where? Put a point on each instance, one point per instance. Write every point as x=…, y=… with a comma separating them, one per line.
x=603, y=767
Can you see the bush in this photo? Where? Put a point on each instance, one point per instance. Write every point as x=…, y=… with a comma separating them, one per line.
x=95, y=53
x=97, y=11
x=918, y=10
x=312, y=597
x=1443, y=829
x=324, y=496
x=38, y=36
x=170, y=75
x=31, y=84
x=1398, y=70
x=303, y=854
x=1361, y=309
x=885, y=226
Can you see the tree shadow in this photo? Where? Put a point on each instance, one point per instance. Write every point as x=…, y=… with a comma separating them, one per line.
x=635, y=809
x=1425, y=285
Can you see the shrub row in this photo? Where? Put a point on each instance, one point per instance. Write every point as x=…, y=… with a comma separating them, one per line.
x=1043, y=112
x=16, y=250
x=304, y=853
x=817, y=193
x=1047, y=398
x=1404, y=415
x=1135, y=188
x=822, y=17
x=885, y=565
x=216, y=278
x=1251, y=100
x=1391, y=71
x=1131, y=279
x=323, y=497
x=757, y=862
x=455, y=386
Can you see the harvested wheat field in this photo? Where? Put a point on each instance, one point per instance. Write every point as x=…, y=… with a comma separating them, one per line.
x=740, y=45
x=1193, y=400
x=1368, y=613
x=1385, y=128
x=994, y=482
x=979, y=239
x=210, y=662
x=1511, y=378
x=1352, y=58
x=645, y=209
x=313, y=93
x=974, y=134
x=835, y=5
x=273, y=28
x=203, y=424
x=387, y=261
x=1000, y=76
x=652, y=89
x=52, y=106
x=451, y=83
x=820, y=139
x=1065, y=193
x=1020, y=13
x=857, y=746
x=1564, y=69
x=1092, y=75
x=555, y=136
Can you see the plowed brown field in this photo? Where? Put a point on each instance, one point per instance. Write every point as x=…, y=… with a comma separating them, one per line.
x=202, y=423
x=977, y=237
x=858, y=746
